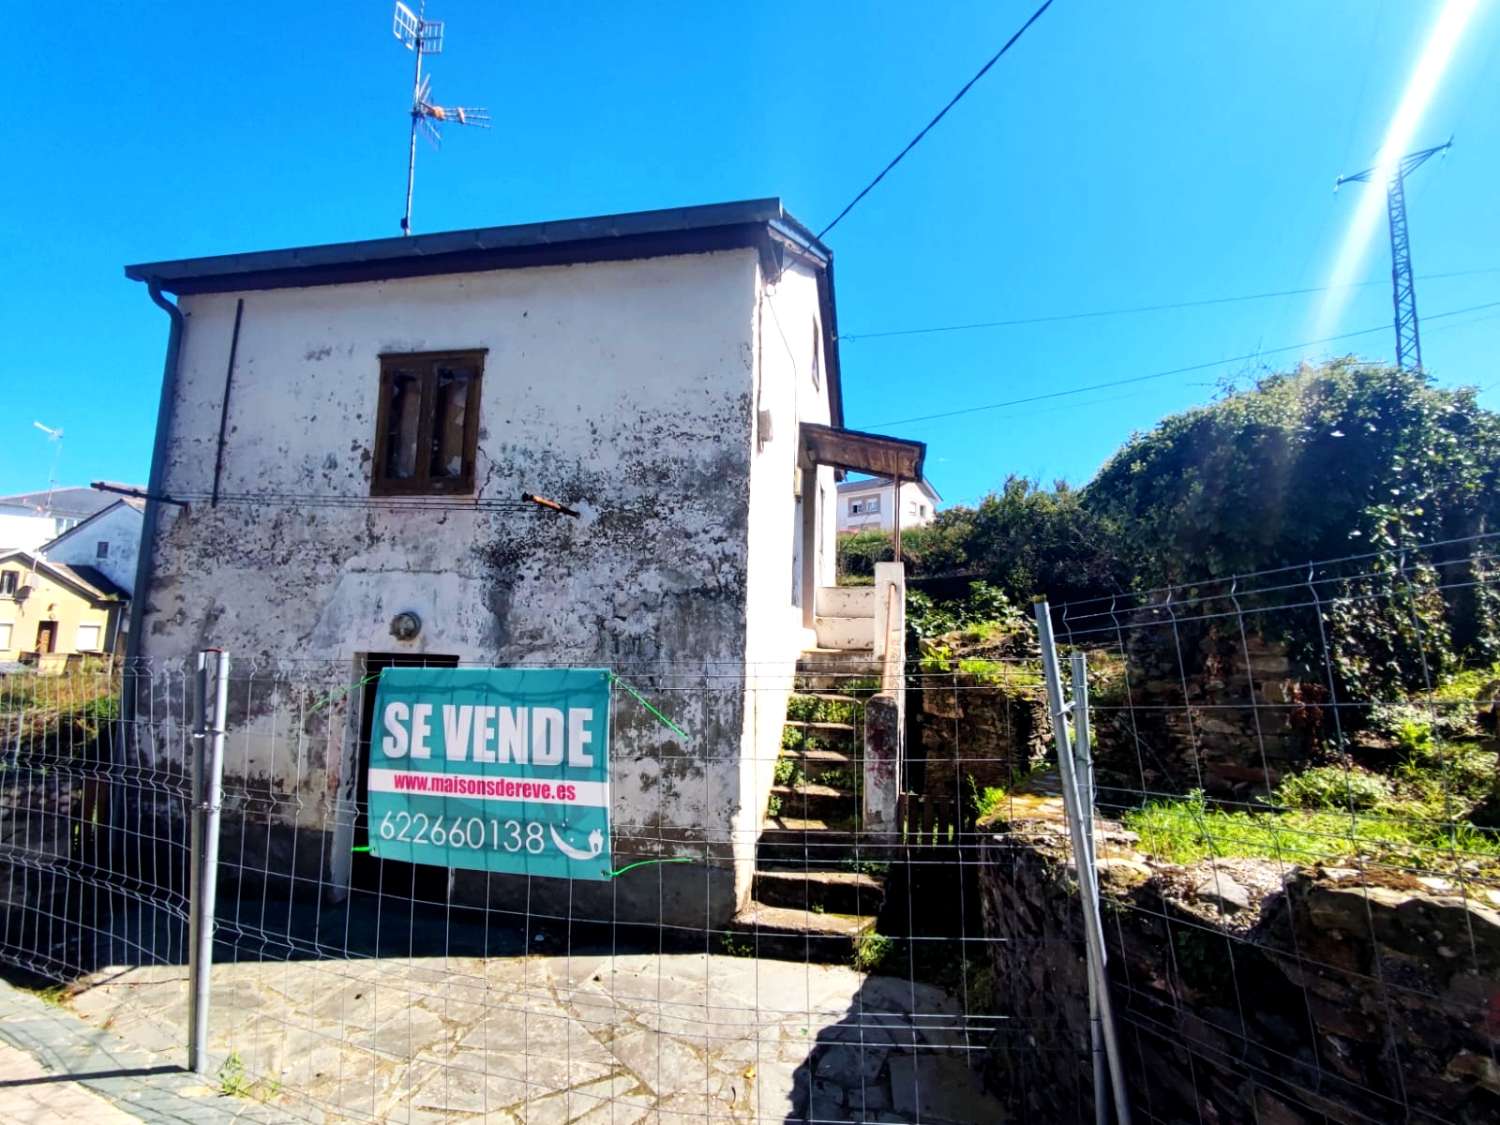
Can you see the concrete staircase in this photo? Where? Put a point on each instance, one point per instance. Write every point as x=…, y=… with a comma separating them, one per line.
x=817, y=888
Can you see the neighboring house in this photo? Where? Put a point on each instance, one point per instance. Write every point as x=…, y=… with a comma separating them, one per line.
x=871, y=505
x=671, y=375
x=29, y=519
x=51, y=611
x=109, y=541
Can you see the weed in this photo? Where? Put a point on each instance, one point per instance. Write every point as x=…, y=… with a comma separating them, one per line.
x=773, y=806
x=232, y=1080
x=1333, y=787
x=987, y=800
x=785, y=770
x=872, y=951
x=867, y=866
x=731, y=946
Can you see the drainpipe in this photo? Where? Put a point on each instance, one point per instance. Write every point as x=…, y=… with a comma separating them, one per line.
x=146, y=559
x=121, y=811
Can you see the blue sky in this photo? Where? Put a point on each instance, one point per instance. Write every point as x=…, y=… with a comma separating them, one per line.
x=1121, y=155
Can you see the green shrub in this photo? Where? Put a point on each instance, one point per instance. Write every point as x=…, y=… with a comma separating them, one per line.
x=1333, y=787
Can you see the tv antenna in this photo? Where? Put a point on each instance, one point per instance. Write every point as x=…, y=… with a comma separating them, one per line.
x=423, y=36
x=55, y=437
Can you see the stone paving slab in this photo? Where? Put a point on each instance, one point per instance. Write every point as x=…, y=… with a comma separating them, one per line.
x=55, y=1067
x=613, y=1039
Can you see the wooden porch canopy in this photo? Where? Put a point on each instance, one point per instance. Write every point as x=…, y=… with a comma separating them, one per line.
x=893, y=458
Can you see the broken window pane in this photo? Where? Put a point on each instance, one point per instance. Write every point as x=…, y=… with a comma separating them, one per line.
x=403, y=419
x=450, y=401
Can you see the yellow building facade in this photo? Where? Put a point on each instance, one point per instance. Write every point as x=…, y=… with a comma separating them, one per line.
x=51, y=613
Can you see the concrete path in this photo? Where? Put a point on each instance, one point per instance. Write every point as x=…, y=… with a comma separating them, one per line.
x=54, y=1067
x=541, y=1039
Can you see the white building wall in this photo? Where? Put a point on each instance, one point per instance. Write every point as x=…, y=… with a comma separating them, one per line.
x=776, y=634
x=23, y=531
x=624, y=389
x=120, y=529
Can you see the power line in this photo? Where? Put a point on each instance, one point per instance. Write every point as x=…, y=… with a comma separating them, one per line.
x=1164, y=374
x=996, y=57
x=1132, y=309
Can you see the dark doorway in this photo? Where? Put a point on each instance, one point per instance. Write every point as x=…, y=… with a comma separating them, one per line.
x=46, y=636
x=388, y=877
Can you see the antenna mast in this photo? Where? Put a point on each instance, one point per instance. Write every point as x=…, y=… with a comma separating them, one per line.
x=1403, y=286
x=423, y=36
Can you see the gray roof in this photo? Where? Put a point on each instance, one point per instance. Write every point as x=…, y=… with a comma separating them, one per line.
x=635, y=234
x=72, y=502
x=877, y=482
x=87, y=580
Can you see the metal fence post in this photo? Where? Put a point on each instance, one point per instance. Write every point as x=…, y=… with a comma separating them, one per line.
x=1083, y=777
x=1073, y=798
x=208, y=776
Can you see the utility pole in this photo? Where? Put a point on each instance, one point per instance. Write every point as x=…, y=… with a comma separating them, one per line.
x=1403, y=288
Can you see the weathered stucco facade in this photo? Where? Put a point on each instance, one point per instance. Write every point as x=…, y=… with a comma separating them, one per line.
x=658, y=392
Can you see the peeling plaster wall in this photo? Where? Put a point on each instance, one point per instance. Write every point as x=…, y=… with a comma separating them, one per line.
x=789, y=354
x=624, y=389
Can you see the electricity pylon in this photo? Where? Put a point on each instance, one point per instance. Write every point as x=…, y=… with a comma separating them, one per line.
x=1403, y=288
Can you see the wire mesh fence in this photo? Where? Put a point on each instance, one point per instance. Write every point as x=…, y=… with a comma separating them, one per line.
x=1302, y=868
x=1296, y=864
x=755, y=951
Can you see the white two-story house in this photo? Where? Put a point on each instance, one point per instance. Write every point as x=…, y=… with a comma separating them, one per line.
x=874, y=504
x=353, y=428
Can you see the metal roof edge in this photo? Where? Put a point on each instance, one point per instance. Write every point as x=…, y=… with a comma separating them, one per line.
x=466, y=250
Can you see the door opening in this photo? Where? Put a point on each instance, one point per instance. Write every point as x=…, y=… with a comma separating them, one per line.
x=368, y=874
x=46, y=636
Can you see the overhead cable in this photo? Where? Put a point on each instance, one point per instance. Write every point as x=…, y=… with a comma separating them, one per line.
x=996, y=57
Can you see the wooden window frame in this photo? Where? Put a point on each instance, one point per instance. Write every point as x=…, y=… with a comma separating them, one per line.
x=426, y=365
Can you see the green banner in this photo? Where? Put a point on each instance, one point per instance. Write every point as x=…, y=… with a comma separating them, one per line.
x=493, y=769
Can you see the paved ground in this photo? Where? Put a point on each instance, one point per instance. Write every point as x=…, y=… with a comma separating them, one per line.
x=615, y=1040
x=54, y=1067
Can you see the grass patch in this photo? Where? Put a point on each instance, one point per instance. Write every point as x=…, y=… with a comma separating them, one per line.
x=872, y=951
x=1465, y=686
x=1187, y=830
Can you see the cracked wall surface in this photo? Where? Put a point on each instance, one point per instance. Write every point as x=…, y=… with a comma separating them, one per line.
x=623, y=389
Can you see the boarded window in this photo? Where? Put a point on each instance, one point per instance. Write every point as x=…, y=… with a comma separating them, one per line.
x=5, y=632
x=88, y=638
x=101, y=549
x=427, y=425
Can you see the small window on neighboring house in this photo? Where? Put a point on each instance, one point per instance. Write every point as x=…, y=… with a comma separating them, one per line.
x=427, y=423
x=817, y=356
x=88, y=638
x=9, y=579
x=101, y=549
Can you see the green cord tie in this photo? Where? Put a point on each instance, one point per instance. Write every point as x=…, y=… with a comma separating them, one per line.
x=644, y=702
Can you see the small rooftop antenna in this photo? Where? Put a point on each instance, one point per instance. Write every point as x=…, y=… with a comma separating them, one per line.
x=423, y=36
x=55, y=437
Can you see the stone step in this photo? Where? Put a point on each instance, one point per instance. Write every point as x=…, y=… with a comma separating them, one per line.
x=812, y=801
x=814, y=761
x=841, y=892
x=799, y=935
x=817, y=727
x=846, y=601
x=830, y=697
x=793, y=844
x=845, y=633
x=838, y=670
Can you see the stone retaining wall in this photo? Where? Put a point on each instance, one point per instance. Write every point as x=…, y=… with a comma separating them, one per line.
x=1209, y=708
x=1244, y=992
